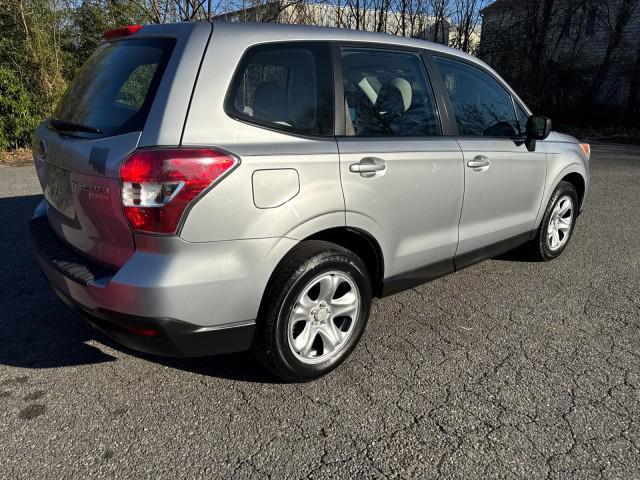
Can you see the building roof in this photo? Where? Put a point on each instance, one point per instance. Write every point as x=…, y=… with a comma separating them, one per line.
x=495, y=6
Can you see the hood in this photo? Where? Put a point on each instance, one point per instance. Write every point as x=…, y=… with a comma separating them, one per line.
x=561, y=137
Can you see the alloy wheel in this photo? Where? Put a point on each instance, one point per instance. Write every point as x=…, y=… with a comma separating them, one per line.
x=323, y=317
x=560, y=223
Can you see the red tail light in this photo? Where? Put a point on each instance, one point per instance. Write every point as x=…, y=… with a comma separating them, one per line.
x=121, y=32
x=158, y=185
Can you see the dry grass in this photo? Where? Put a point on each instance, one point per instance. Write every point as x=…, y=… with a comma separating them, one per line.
x=20, y=156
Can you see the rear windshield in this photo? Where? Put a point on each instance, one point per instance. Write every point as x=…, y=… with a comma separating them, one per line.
x=115, y=88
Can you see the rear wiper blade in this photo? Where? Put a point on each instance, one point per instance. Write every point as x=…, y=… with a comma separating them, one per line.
x=64, y=126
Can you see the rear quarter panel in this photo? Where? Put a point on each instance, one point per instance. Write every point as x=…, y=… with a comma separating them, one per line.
x=229, y=211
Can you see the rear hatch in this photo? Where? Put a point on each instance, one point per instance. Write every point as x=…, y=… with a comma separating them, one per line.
x=98, y=123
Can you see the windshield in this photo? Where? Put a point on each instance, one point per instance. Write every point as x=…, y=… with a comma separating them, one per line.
x=114, y=89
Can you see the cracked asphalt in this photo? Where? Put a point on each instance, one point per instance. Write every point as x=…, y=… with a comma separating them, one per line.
x=507, y=369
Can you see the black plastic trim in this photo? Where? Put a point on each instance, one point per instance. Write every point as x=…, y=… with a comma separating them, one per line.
x=413, y=278
x=175, y=338
x=467, y=259
x=447, y=115
x=60, y=257
x=408, y=280
x=339, y=112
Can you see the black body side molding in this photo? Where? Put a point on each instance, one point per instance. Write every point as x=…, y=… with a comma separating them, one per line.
x=470, y=258
x=408, y=280
x=413, y=278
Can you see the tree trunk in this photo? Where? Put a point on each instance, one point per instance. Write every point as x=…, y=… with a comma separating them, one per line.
x=634, y=88
x=615, y=38
x=539, y=35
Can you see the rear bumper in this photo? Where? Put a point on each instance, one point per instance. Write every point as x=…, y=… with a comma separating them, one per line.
x=164, y=336
x=171, y=297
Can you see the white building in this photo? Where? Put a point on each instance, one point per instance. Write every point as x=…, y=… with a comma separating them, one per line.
x=345, y=16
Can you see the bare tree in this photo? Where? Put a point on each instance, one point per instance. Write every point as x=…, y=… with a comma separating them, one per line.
x=465, y=15
x=634, y=87
x=439, y=12
x=622, y=18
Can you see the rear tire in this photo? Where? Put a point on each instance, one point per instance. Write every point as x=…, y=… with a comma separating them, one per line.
x=556, y=227
x=314, y=311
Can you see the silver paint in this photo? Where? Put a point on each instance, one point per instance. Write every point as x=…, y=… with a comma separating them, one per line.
x=422, y=201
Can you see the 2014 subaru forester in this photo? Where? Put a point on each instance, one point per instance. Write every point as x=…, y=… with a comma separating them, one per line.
x=216, y=187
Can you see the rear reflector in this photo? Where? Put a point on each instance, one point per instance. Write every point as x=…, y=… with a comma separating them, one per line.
x=158, y=185
x=121, y=32
x=141, y=331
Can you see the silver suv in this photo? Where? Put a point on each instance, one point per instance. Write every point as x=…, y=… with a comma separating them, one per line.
x=219, y=187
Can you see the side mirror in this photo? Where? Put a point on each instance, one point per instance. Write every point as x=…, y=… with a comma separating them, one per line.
x=538, y=127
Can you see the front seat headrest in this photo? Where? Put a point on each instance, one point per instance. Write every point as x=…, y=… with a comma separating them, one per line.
x=390, y=103
x=405, y=90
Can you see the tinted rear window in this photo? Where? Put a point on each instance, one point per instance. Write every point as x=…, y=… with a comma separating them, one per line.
x=285, y=86
x=115, y=88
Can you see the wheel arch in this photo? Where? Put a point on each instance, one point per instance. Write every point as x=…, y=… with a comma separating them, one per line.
x=575, y=173
x=362, y=244
x=578, y=181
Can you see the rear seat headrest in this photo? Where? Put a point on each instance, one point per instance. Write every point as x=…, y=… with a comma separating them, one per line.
x=270, y=102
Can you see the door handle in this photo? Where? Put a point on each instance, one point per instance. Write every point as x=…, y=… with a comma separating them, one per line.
x=368, y=166
x=359, y=168
x=478, y=162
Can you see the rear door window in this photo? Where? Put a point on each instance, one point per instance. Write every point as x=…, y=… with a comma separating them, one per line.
x=285, y=86
x=116, y=86
x=387, y=93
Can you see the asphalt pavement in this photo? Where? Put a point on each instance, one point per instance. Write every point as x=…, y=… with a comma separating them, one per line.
x=507, y=369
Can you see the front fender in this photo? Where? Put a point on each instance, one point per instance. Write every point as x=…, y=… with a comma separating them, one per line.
x=560, y=165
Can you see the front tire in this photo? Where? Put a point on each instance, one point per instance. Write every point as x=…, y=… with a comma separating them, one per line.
x=557, y=224
x=314, y=311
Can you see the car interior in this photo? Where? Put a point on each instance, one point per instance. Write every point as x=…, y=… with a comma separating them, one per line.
x=385, y=95
x=280, y=87
x=481, y=109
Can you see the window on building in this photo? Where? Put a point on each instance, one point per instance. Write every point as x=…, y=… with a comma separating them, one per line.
x=572, y=22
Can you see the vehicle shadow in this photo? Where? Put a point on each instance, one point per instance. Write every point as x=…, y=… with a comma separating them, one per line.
x=38, y=331
x=518, y=254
